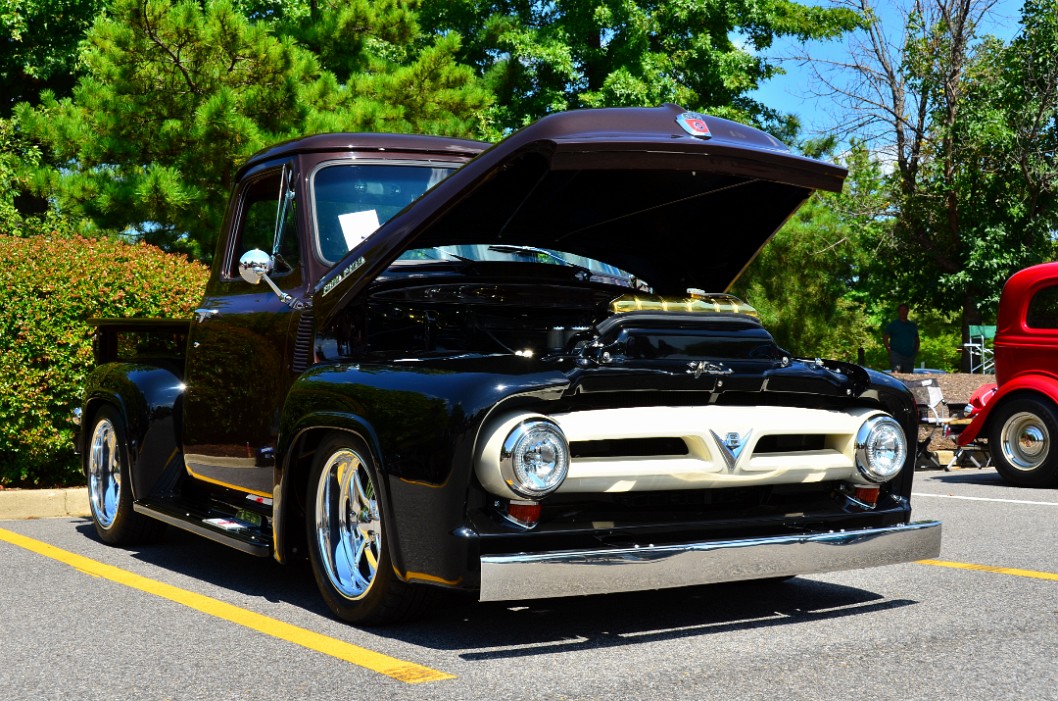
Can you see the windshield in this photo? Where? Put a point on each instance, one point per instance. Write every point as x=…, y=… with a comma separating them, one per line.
x=352, y=200
x=593, y=270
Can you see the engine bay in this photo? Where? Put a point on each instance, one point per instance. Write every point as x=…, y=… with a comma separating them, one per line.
x=543, y=319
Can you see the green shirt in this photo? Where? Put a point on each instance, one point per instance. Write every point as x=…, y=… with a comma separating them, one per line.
x=903, y=336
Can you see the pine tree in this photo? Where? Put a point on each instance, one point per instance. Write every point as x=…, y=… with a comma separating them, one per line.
x=176, y=93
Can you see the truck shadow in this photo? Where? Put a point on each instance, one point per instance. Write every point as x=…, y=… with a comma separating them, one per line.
x=487, y=631
x=218, y=565
x=504, y=630
x=986, y=475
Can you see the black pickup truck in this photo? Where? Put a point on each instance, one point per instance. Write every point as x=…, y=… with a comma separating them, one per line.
x=427, y=363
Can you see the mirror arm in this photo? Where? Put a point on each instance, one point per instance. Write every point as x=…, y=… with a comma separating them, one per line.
x=289, y=300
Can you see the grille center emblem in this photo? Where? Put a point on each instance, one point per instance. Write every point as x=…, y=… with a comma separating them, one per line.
x=731, y=446
x=704, y=367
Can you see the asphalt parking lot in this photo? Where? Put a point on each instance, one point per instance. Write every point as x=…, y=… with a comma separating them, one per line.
x=187, y=619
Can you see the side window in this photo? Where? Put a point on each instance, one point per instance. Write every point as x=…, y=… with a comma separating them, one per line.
x=262, y=203
x=1043, y=309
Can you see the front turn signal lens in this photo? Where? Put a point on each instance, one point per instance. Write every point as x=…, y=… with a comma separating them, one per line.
x=524, y=513
x=866, y=495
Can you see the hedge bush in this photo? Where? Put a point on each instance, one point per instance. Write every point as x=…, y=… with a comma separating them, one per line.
x=49, y=287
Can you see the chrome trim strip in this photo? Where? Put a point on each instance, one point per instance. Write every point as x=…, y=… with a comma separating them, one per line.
x=582, y=572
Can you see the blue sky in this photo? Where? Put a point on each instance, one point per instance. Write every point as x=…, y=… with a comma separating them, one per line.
x=791, y=92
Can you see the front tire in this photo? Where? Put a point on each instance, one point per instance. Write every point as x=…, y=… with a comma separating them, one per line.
x=109, y=485
x=348, y=547
x=1022, y=442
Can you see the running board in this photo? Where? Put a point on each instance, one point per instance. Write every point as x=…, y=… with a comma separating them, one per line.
x=218, y=528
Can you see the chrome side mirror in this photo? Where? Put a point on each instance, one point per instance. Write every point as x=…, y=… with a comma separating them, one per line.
x=255, y=265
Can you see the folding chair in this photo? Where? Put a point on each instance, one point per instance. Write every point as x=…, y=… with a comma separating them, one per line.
x=980, y=349
x=975, y=453
x=932, y=413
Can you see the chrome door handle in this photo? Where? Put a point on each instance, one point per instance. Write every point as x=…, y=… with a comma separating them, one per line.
x=203, y=314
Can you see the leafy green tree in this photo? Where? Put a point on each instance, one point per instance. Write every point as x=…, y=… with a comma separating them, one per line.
x=541, y=57
x=1006, y=183
x=979, y=203
x=342, y=32
x=17, y=158
x=38, y=47
x=176, y=93
x=38, y=53
x=802, y=281
x=969, y=126
x=172, y=97
x=387, y=74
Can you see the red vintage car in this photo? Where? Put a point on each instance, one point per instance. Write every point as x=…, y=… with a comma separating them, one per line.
x=1020, y=420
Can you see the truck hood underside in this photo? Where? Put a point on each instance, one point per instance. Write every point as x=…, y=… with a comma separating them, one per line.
x=628, y=186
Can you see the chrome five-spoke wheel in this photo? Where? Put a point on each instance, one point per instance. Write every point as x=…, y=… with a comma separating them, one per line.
x=109, y=485
x=346, y=521
x=104, y=473
x=348, y=526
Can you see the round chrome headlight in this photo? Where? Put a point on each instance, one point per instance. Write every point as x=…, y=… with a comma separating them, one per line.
x=881, y=447
x=535, y=458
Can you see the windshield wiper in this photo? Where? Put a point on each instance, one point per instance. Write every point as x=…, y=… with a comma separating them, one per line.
x=581, y=274
x=451, y=256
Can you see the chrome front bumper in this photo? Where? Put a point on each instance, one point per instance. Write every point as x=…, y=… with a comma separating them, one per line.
x=581, y=572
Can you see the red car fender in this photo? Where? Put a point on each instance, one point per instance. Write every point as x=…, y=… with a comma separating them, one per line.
x=1030, y=383
x=979, y=398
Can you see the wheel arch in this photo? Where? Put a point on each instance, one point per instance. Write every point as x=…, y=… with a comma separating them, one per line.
x=148, y=401
x=298, y=450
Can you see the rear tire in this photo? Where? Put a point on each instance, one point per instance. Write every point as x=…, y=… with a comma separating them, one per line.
x=1022, y=438
x=348, y=530
x=109, y=485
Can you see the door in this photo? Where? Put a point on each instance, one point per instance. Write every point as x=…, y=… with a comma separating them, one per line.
x=239, y=361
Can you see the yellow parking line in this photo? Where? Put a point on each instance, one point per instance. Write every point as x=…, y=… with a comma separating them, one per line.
x=989, y=568
x=362, y=657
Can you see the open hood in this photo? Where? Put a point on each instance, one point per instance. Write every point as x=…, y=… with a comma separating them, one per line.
x=677, y=199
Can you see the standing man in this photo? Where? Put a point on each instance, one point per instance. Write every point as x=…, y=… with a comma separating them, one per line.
x=901, y=340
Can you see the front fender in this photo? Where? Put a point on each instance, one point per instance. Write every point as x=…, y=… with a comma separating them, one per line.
x=420, y=420
x=148, y=398
x=1027, y=383
x=421, y=417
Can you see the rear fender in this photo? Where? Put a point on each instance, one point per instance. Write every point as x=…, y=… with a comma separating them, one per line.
x=1028, y=384
x=149, y=400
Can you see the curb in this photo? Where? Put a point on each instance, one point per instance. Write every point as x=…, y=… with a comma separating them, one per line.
x=43, y=503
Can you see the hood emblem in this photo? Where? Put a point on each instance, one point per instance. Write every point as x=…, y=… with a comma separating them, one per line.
x=731, y=446
x=694, y=124
x=349, y=270
x=704, y=367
